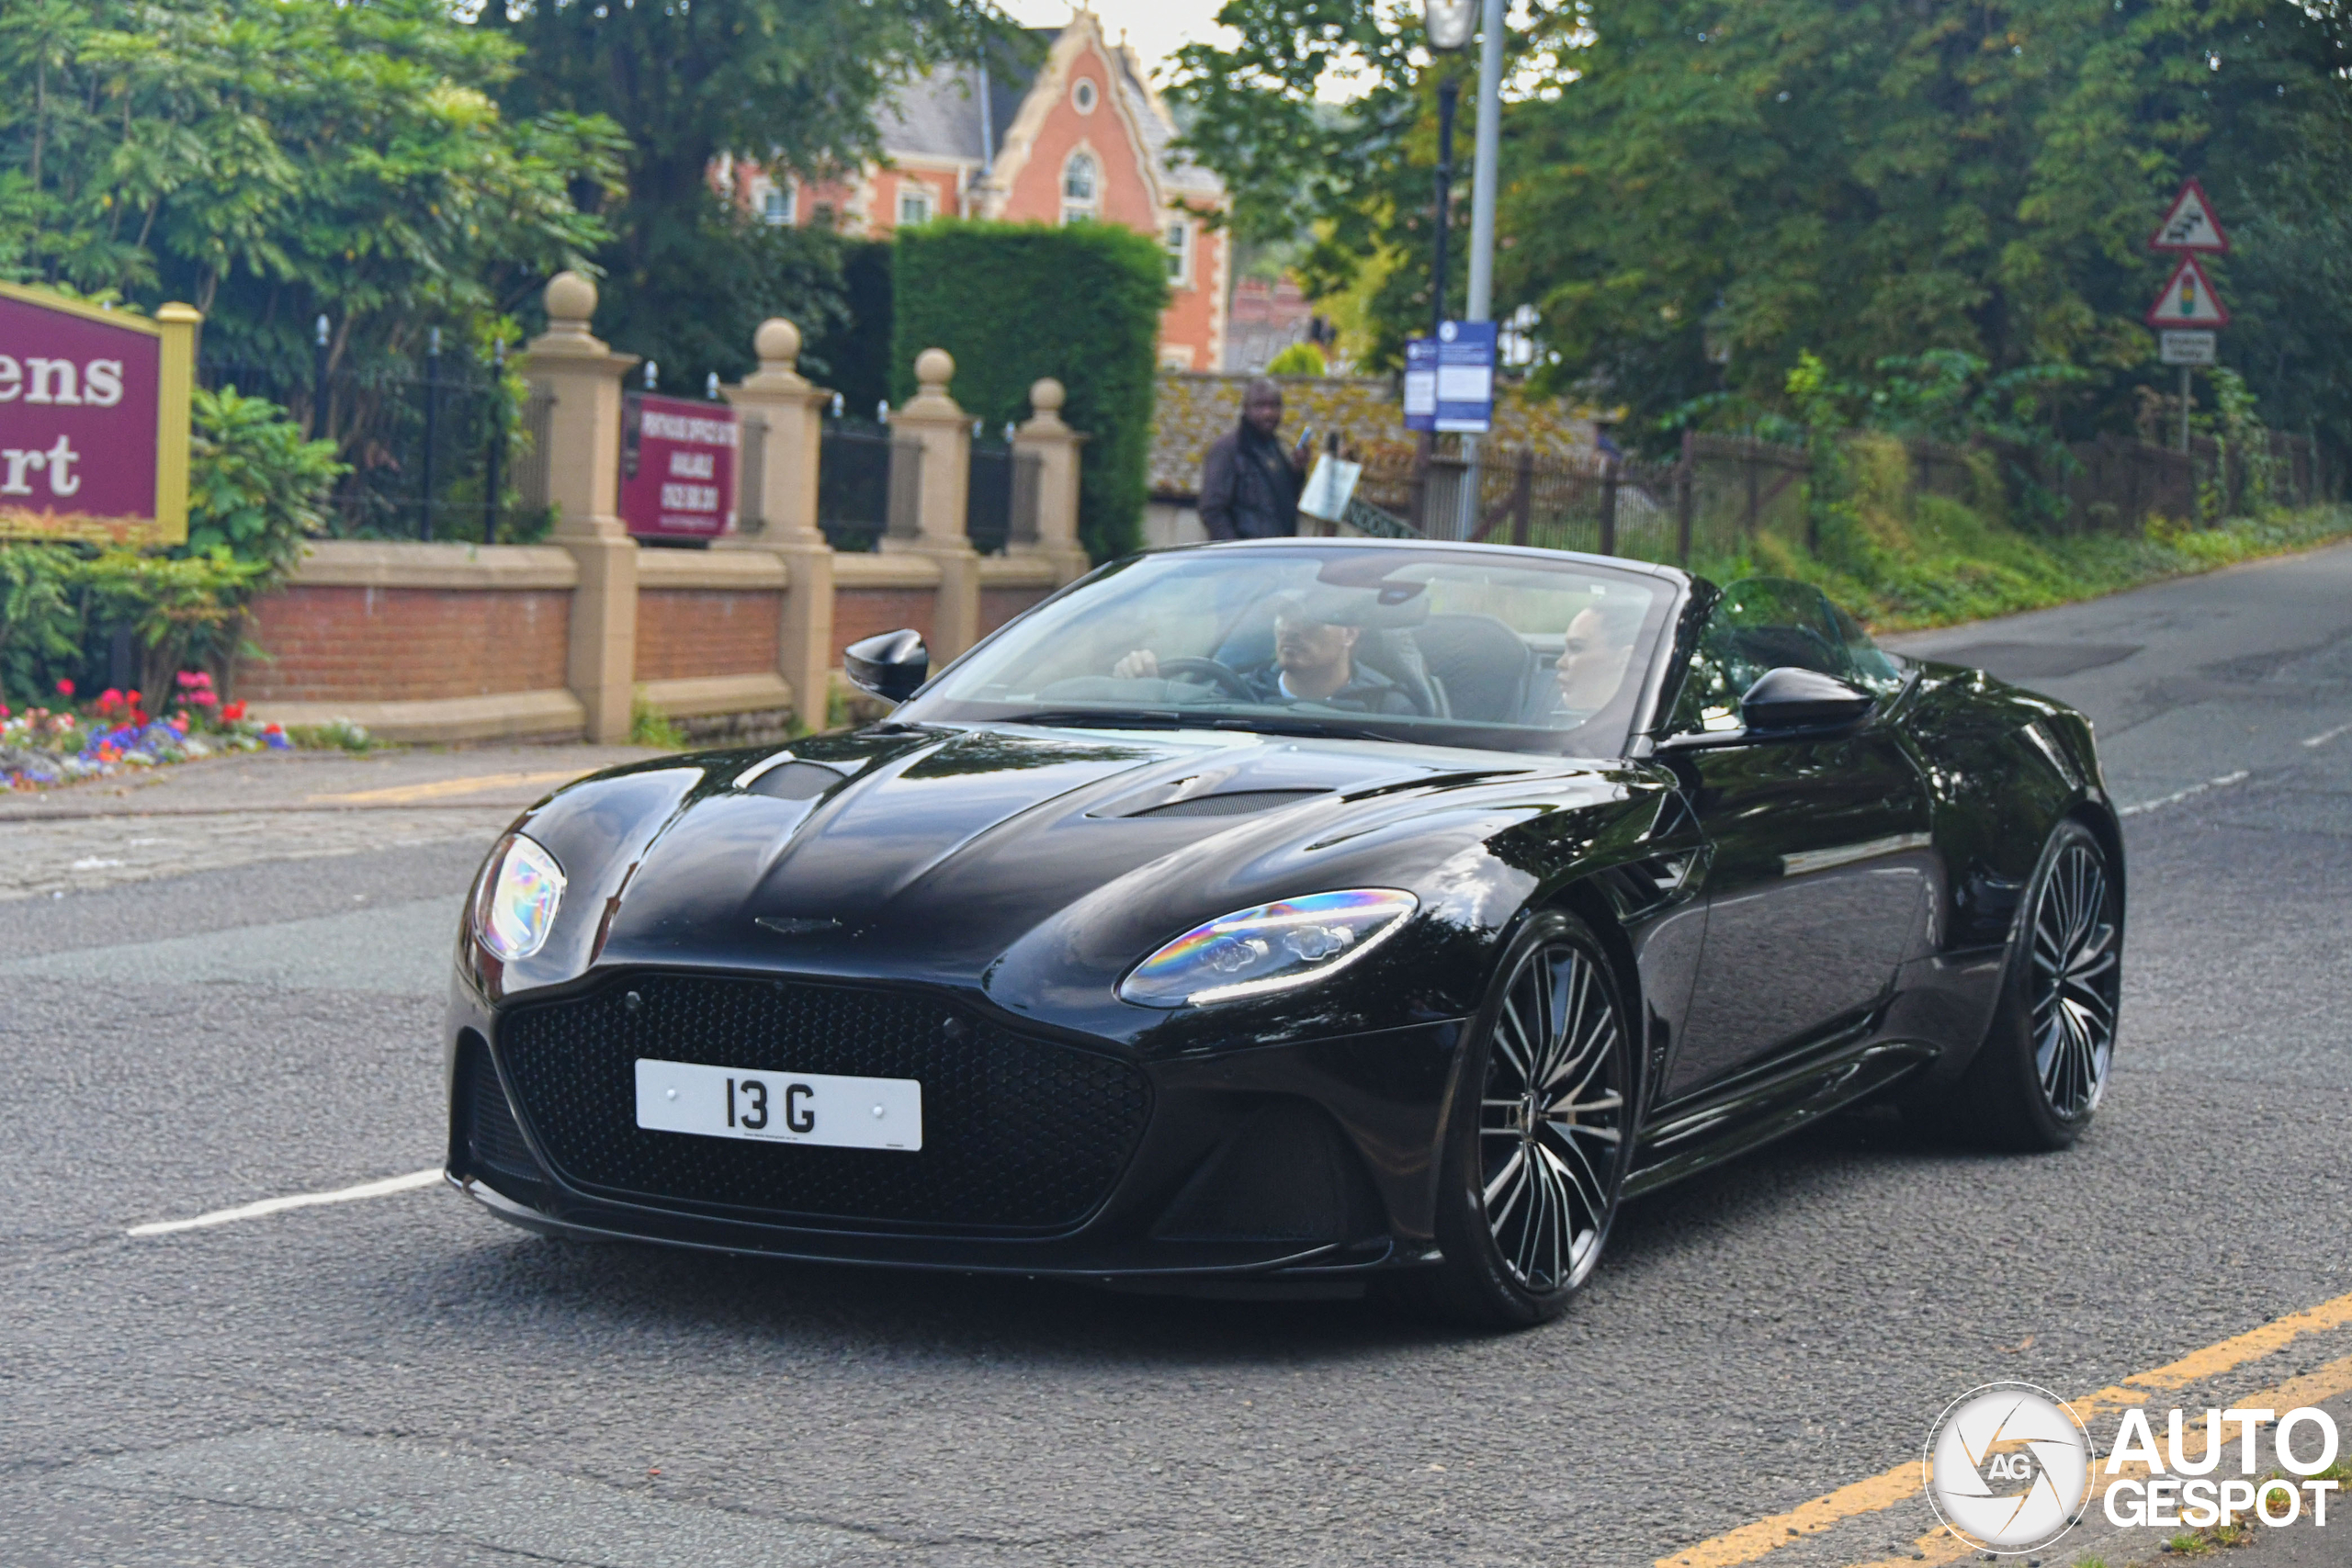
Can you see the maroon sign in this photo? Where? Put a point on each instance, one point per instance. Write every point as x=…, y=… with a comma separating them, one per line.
x=93, y=419
x=677, y=468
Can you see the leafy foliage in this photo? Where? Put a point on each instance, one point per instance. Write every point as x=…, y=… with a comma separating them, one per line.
x=1296, y=359
x=271, y=161
x=255, y=486
x=794, y=83
x=972, y=288
x=1694, y=192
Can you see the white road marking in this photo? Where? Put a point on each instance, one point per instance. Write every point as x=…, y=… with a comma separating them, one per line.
x=2181, y=794
x=2325, y=736
x=385, y=1187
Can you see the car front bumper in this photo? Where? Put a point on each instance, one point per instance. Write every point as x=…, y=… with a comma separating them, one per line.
x=1303, y=1161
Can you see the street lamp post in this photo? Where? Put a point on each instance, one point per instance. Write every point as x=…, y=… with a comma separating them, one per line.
x=1448, y=24
x=1449, y=93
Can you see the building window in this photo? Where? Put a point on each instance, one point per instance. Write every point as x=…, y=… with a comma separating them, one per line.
x=1178, y=238
x=1078, y=188
x=1084, y=95
x=914, y=205
x=775, y=204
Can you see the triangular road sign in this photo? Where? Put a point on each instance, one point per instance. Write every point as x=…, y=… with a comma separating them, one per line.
x=2188, y=299
x=2190, y=225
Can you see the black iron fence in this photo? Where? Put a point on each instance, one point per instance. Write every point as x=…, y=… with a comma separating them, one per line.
x=856, y=468
x=447, y=450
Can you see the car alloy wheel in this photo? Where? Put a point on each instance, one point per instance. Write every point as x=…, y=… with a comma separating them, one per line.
x=1551, y=1119
x=2074, y=985
x=1541, y=1130
x=2044, y=1065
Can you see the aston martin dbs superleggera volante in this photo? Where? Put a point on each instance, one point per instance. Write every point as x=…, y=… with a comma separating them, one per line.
x=1294, y=914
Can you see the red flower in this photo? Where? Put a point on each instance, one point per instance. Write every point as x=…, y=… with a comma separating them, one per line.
x=132, y=697
x=233, y=712
x=65, y=690
x=271, y=730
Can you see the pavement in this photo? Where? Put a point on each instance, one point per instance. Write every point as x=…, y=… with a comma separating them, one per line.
x=239, y=1015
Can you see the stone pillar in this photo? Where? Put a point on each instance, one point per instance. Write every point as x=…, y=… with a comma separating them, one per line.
x=582, y=376
x=932, y=420
x=1054, y=445
x=779, y=397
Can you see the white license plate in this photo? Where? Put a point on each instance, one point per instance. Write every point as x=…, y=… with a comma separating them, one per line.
x=779, y=1108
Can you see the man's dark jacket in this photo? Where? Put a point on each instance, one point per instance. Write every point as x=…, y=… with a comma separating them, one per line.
x=1249, y=490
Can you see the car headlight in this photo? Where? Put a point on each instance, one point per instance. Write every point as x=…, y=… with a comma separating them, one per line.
x=516, y=906
x=1270, y=948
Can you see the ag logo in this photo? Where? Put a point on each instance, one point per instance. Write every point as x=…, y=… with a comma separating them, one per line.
x=2007, y=1467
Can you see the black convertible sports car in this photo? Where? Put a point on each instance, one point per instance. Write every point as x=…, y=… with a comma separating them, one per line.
x=1293, y=914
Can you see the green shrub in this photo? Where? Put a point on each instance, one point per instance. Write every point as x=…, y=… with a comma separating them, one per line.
x=1298, y=359
x=1017, y=301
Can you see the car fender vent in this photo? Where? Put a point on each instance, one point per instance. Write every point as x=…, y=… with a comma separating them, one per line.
x=1238, y=803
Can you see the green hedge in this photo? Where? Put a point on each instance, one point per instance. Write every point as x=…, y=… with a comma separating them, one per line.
x=1016, y=301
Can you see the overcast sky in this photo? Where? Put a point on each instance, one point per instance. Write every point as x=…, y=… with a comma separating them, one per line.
x=1155, y=28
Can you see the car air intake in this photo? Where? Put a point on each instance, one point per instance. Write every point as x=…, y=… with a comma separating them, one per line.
x=1019, y=1135
x=493, y=1143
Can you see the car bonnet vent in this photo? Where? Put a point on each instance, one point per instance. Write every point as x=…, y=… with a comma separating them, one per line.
x=1238, y=803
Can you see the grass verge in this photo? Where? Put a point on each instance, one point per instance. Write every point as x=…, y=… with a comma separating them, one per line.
x=1902, y=559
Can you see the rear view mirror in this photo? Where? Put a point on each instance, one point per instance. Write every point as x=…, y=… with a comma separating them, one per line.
x=1790, y=698
x=890, y=666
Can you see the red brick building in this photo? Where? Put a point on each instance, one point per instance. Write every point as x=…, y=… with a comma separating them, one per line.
x=1080, y=135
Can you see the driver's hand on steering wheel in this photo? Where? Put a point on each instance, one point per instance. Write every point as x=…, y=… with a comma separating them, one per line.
x=1140, y=665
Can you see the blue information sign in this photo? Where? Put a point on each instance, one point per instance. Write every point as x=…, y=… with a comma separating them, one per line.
x=1449, y=378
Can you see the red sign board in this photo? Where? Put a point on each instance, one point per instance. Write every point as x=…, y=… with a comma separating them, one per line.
x=677, y=468
x=93, y=419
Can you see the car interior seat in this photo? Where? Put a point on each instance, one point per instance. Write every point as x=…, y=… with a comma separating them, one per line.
x=1485, y=669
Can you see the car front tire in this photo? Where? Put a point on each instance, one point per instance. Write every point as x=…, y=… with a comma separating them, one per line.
x=2039, y=1077
x=1540, y=1135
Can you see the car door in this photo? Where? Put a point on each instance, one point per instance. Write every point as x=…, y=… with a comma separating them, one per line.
x=1819, y=876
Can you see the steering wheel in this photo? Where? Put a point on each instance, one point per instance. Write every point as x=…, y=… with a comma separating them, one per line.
x=1211, y=670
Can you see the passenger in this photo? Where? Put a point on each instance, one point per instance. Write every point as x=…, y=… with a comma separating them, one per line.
x=1593, y=659
x=1314, y=662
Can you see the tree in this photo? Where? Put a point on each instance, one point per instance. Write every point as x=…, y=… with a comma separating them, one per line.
x=794, y=84
x=270, y=161
x=1696, y=191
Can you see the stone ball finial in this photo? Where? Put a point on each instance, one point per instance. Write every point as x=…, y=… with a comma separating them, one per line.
x=571, y=301
x=934, y=367
x=1047, y=396
x=777, y=342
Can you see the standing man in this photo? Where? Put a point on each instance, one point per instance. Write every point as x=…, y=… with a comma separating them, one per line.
x=1248, y=484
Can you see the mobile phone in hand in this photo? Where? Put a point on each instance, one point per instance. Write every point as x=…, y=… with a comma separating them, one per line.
x=1306, y=444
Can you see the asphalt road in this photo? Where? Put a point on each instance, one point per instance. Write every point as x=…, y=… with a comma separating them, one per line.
x=402, y=1380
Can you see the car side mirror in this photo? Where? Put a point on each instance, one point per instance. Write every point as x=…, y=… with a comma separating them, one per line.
x=891, y=666
x=1790, y=698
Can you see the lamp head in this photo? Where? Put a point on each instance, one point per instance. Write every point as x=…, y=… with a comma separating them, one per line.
x=1450, y=23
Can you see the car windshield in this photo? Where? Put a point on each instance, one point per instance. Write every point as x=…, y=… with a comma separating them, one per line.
x=1456, y=647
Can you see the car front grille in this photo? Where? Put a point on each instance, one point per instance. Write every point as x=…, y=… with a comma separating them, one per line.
x=1019, y=1135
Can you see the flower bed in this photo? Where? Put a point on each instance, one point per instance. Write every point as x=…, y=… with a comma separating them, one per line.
x=41, y=746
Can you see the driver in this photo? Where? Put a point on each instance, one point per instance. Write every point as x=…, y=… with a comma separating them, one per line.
x=1314, y=662
x=1593, y=658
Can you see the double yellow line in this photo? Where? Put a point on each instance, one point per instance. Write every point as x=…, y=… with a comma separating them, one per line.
x=1904, y=1480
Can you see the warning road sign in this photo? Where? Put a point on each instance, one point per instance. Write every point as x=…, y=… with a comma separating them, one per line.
x=2188, y=299
x=2189, y=224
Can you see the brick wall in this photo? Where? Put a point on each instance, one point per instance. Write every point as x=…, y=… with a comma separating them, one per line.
x=860, y=612
x=347, y=644
x=999, y=605
x=687, y=632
